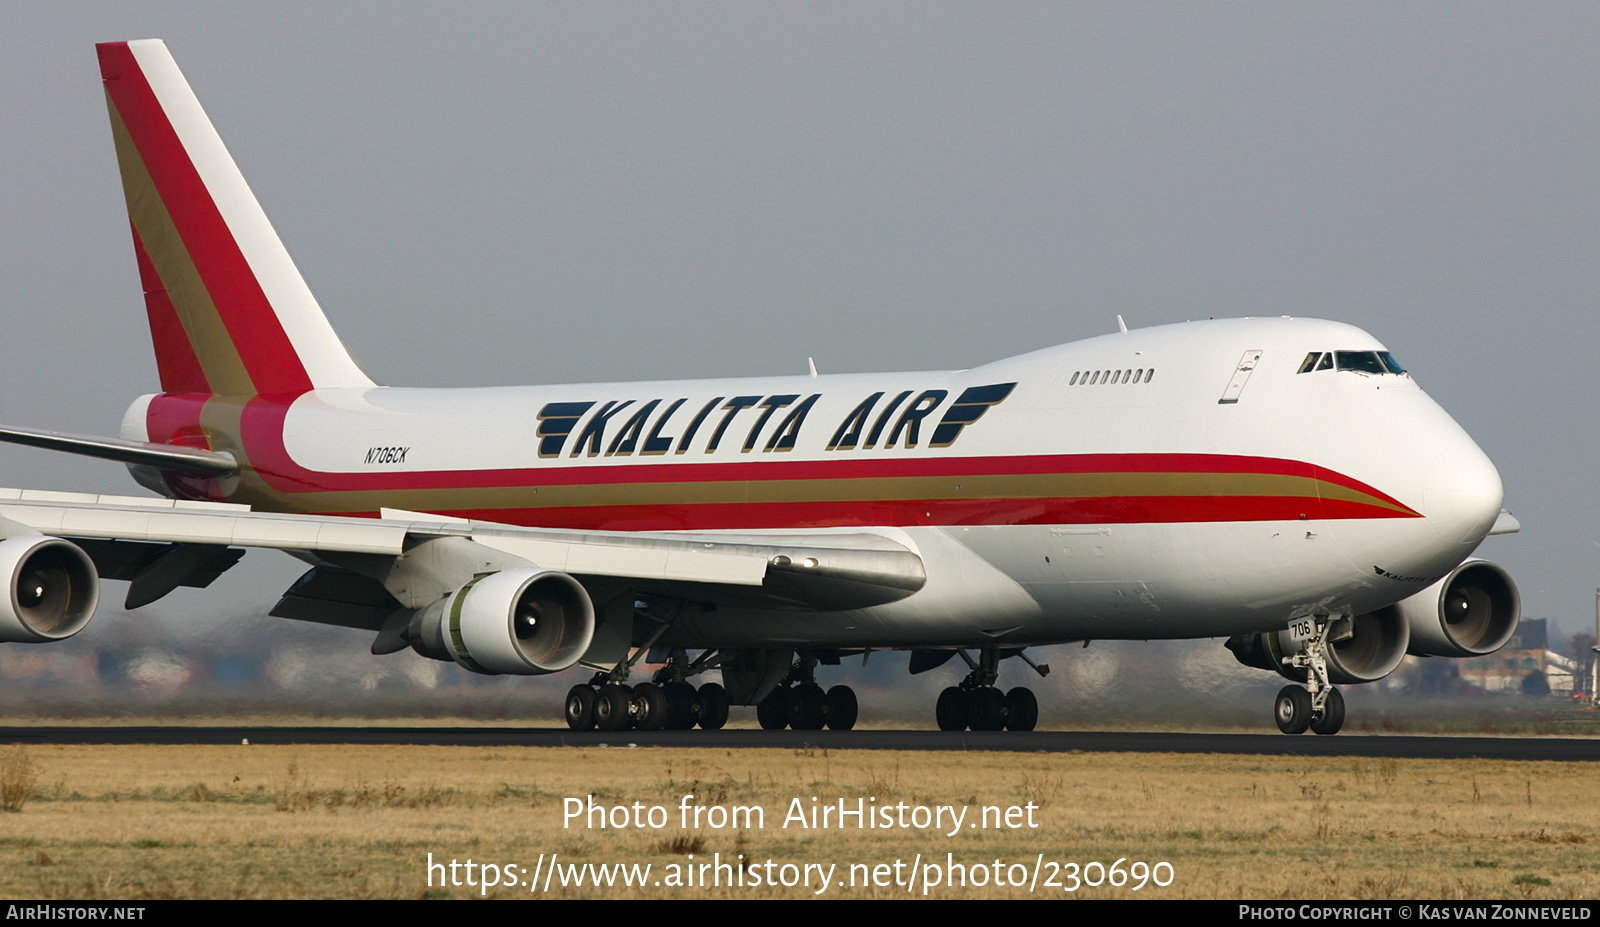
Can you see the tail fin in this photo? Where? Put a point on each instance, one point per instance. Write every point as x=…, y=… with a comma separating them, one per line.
x=229, y=312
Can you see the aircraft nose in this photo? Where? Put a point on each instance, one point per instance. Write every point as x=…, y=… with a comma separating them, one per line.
x=1462, y=493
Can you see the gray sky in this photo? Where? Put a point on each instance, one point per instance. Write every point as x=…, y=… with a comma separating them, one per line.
x=491, y=194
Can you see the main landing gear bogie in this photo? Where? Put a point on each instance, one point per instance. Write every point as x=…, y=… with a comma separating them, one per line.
x=977, y=705
x=984, y=708
x=806, y=707
x=647, y=707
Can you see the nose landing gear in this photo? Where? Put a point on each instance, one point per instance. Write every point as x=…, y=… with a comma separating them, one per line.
x=1318, y=705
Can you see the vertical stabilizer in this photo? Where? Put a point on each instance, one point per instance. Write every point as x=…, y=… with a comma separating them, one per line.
x=229, y=312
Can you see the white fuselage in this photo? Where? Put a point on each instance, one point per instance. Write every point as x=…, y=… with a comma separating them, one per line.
x=1221, y=493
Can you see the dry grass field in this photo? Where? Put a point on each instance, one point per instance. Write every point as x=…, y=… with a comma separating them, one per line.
x=361, y=822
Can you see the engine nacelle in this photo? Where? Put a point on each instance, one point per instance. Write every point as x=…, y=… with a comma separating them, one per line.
x=525, y=622
x=1369, y=648
x=52, y=589
x=1469, y=613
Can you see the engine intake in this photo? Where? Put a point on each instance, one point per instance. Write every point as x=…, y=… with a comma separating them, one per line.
x=1469, y=613
x=524, y=622
x=51, y=593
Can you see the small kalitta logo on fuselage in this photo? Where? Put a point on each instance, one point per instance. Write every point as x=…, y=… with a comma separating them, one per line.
x=1404, y=579
x=655, y=427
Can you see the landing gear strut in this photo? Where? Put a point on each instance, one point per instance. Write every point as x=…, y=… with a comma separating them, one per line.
x=1318, y=705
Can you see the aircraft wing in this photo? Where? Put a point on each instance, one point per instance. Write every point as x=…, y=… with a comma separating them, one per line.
x=159, y=544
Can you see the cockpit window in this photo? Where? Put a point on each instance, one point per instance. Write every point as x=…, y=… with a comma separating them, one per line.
x=1327, y=362
x=1361, y=361
x=1390, y=362
x=1310, y=363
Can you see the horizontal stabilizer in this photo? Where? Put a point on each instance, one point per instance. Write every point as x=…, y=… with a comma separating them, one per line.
x=191, y=461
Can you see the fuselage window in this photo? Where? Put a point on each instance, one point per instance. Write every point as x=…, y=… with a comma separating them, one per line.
x=1310, y=362
x=1110, y=377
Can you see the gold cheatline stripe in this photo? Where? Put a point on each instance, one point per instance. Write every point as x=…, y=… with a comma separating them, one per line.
x=871, y=489
x=219, y=358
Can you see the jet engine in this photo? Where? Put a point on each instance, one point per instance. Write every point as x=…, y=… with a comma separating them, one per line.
x=1367, y=648
x=51, y=591
x=1469, y=613
x=525, y=622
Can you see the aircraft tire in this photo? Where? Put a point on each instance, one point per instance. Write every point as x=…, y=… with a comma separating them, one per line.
x=988, y=709
x=953, y=709
x=580, y=708
x=806, y=706
x=611, y=708
x=773, y=712
x=655, y=710
x=1023, y=709
x=1293, y=710
x=1332, y=714
x=841, y=708
x=680, y=706
x=713, y=701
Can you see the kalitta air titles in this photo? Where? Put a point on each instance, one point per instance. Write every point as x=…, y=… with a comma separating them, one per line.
x=757, y=423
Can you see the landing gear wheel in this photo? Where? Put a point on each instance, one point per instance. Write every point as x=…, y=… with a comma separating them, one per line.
x=580, y=708
x=713, y=702
x=841, y=708
x=806, y=707
x=1293, y=710
x=988, y=709
x=773, y=712
x=653, y=708
x=1332, y=714
x=680, y=711
x=953, y=709
x=611, y=708
x=1023, y=709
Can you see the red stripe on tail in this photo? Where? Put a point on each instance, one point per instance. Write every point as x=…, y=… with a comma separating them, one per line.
x=175, y=358
x=269, y=358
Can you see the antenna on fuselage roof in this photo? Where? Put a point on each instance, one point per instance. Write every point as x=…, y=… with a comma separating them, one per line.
x=1121, y=324
x=811, y=364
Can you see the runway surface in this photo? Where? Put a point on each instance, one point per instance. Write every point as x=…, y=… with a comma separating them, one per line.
x=1411, y=747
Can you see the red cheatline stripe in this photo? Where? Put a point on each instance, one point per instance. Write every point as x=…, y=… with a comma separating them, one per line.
x=263, y=421
x=175, y=359
x=268, y=356
x=171, y=417
x=796, y=515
